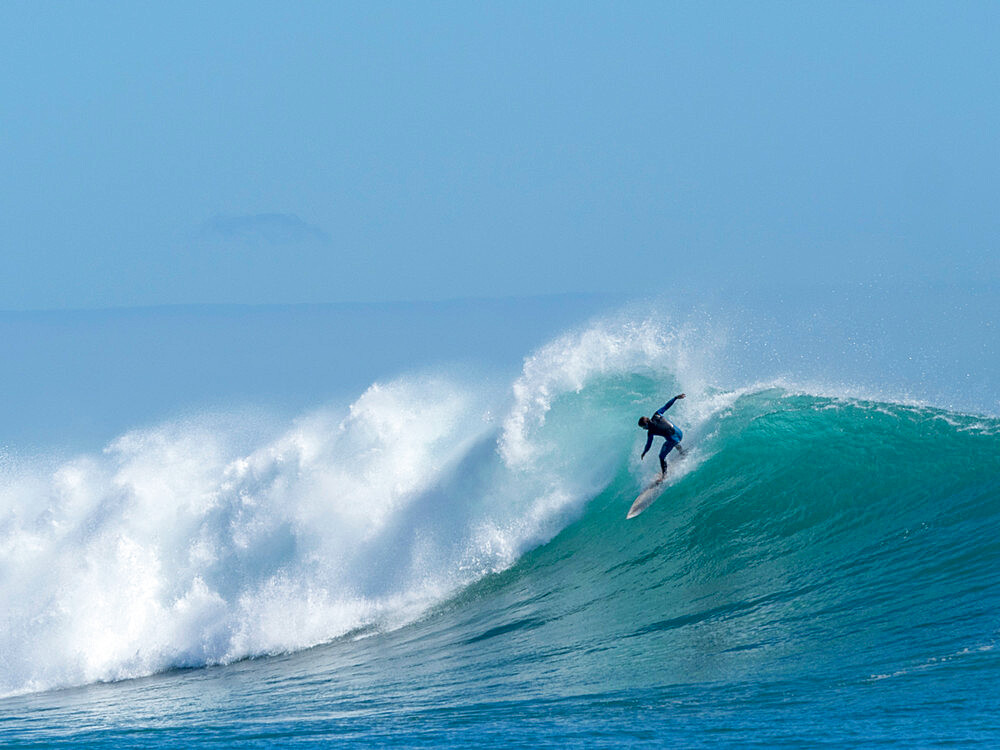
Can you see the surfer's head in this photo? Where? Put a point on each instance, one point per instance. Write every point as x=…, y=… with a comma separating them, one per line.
x=644, y=422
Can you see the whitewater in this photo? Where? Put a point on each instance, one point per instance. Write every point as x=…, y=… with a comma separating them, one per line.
x=443, y=558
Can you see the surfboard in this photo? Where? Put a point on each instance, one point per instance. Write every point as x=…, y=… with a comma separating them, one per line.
x=646, y=498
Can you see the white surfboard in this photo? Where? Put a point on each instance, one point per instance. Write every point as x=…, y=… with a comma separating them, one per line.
x=646, y=498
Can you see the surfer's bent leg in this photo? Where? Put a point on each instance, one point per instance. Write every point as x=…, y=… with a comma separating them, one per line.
x=667, y=445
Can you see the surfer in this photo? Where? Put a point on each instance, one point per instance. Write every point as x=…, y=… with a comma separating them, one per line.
x=659, y=425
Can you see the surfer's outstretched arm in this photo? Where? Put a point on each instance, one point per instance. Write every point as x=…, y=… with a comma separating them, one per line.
x=669, y=403
x=649, y=442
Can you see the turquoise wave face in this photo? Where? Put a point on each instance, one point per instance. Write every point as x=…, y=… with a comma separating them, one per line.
x=816, y=538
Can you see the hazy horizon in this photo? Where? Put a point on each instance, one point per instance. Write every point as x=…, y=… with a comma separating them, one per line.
x=259, y=153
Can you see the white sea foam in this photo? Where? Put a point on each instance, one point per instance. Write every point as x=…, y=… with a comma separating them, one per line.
x=172, y=549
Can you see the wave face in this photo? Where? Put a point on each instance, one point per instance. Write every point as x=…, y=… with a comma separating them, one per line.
x=806, y=537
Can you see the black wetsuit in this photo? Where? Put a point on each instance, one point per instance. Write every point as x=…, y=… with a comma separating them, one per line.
x=660, y=426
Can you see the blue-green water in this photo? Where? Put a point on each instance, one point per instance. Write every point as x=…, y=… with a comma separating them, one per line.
x=449, y=564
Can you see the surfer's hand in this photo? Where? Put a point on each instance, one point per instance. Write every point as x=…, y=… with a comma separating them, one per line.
x=680, y=395
x=642, y=456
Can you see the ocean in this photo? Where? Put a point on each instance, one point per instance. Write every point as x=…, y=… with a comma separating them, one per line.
x=405, y=526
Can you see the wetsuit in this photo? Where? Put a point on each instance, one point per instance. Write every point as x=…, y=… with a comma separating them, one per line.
x=660, y=426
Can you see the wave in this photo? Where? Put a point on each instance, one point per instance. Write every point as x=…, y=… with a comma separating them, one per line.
x=209, y=540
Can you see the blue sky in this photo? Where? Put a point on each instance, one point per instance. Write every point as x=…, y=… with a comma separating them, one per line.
x=325, y=152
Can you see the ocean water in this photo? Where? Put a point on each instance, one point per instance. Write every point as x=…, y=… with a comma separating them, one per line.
x=440, y=557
